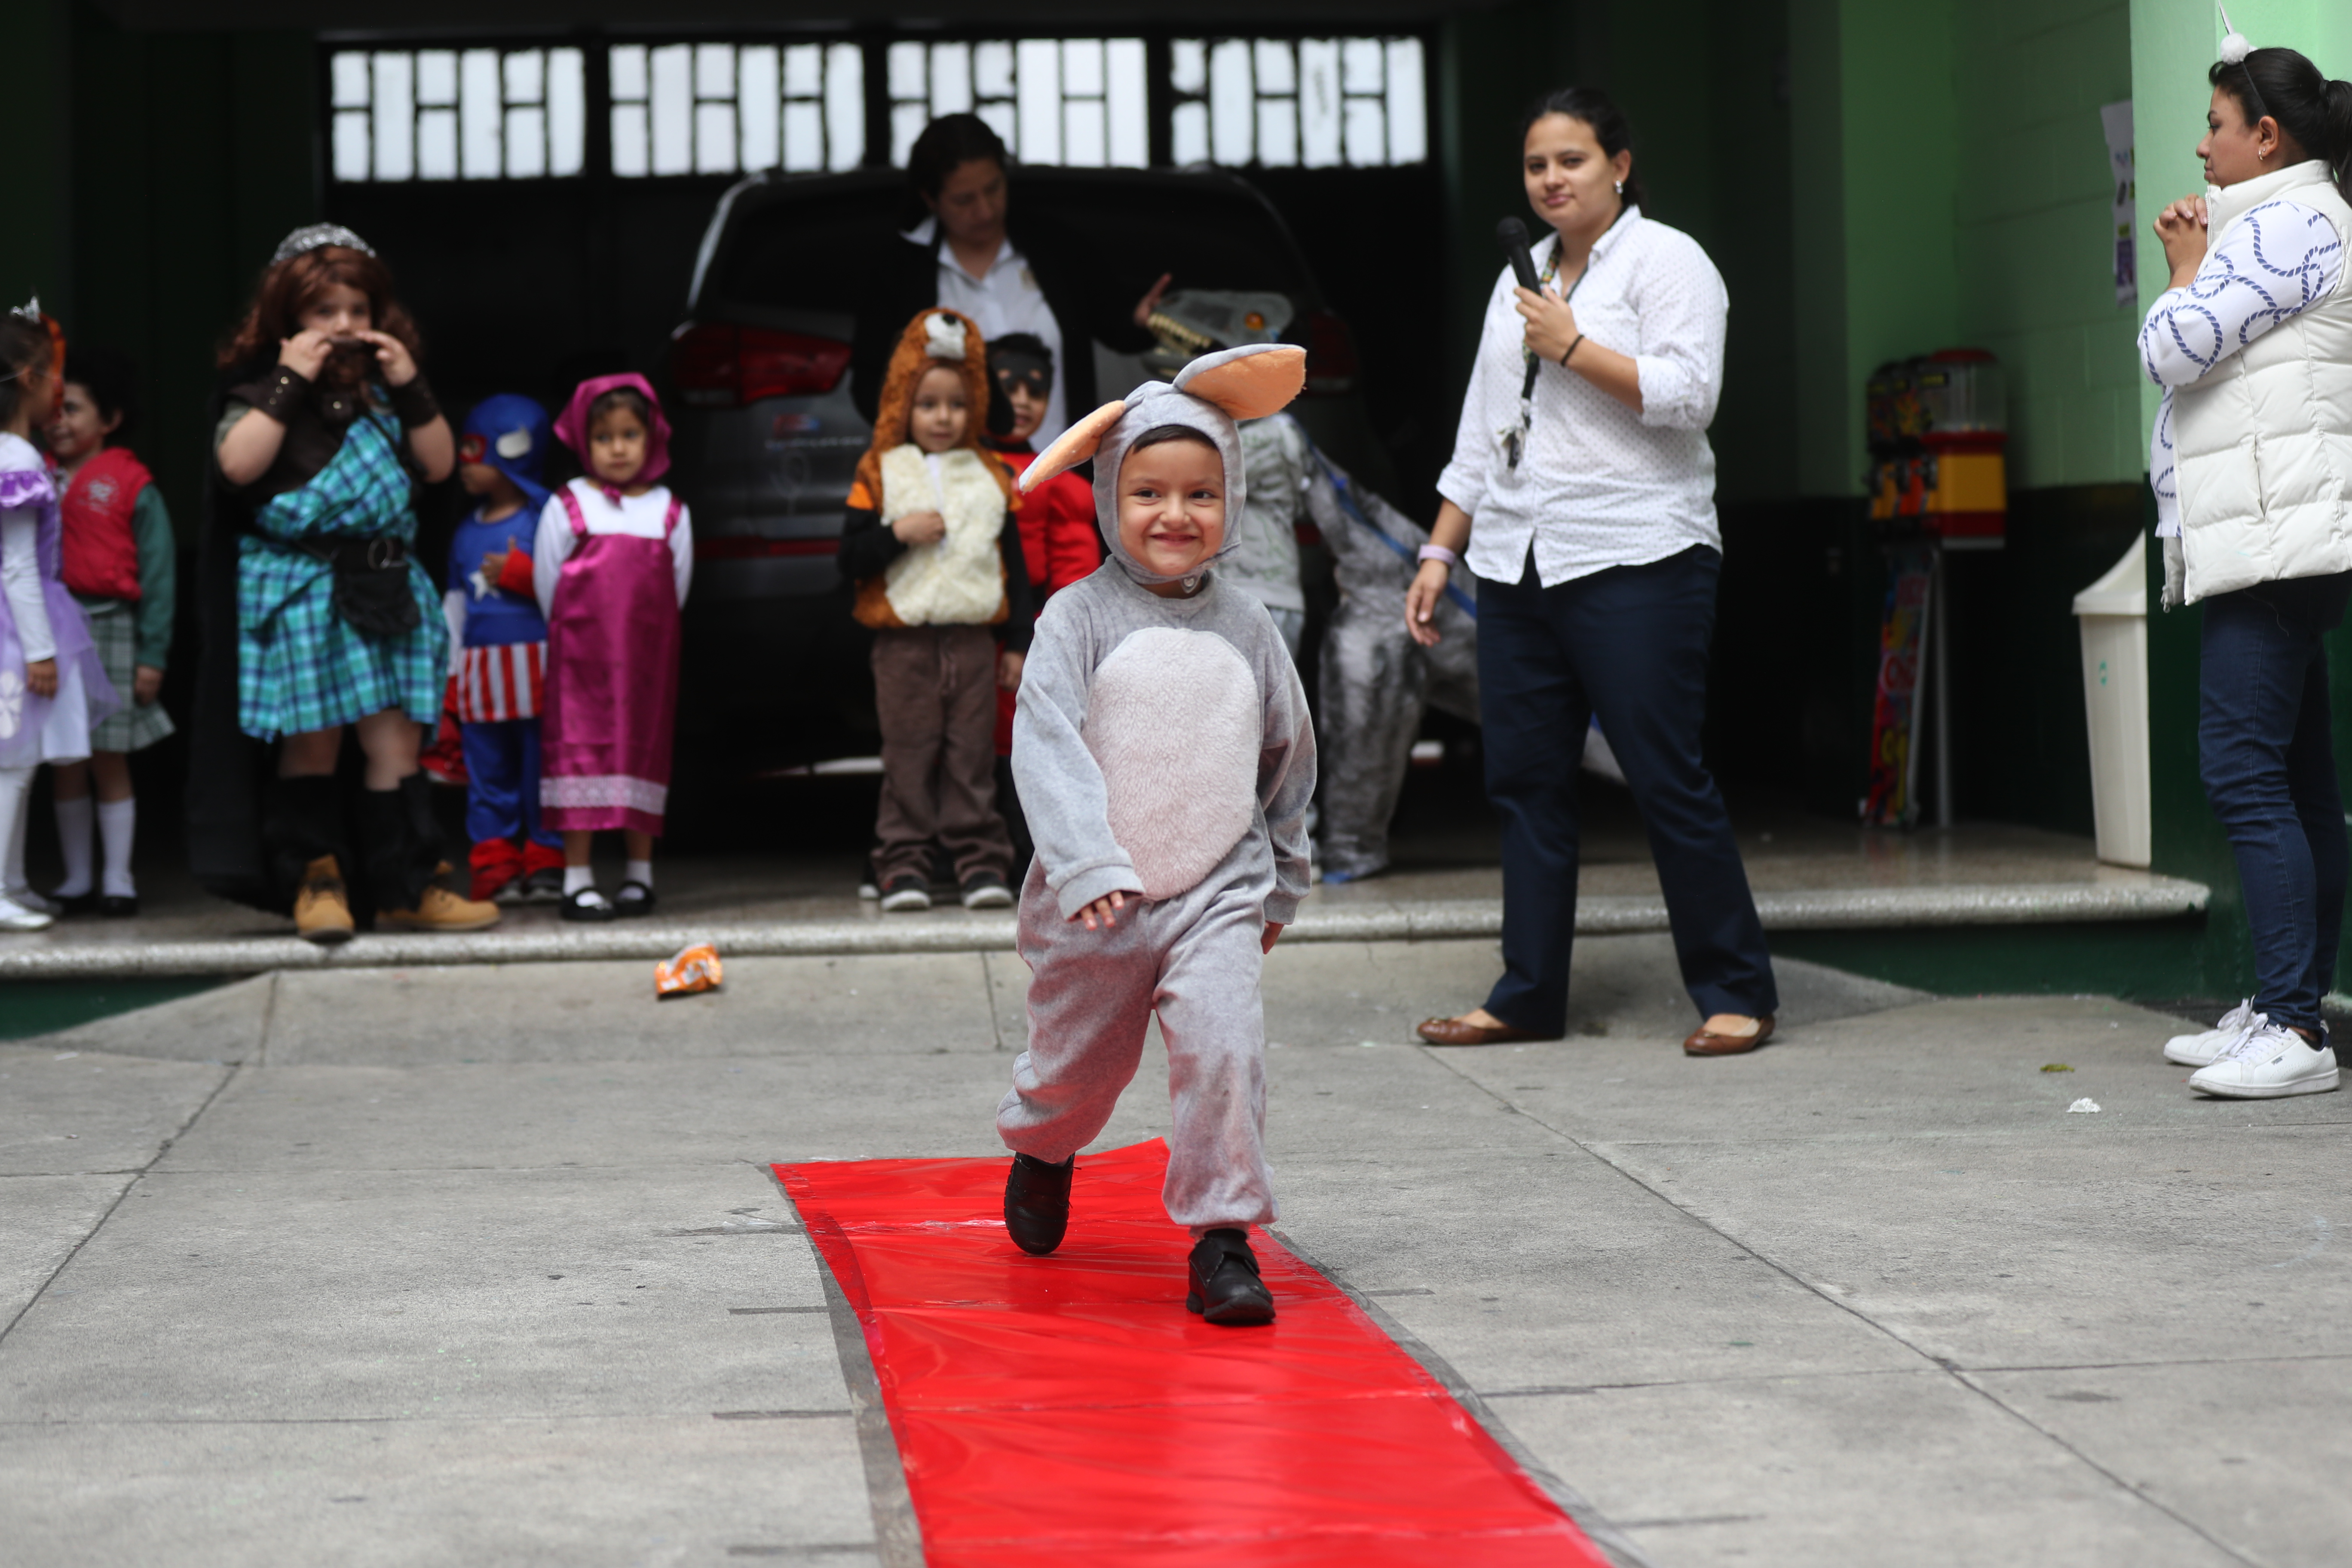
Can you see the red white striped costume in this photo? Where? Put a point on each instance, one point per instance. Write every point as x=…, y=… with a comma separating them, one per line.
x=507, y=682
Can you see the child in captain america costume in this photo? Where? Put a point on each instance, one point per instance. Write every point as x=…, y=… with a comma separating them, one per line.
x=498, y=642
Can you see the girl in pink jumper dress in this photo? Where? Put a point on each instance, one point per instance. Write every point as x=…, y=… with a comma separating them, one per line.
x=611, y=565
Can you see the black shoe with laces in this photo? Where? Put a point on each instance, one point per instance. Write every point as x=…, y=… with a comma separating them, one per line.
x=1037, y=1203
x=1225, y=1288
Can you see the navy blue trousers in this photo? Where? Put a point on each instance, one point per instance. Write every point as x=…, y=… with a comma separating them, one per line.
x=502, y=781
x=2265, y=746
x=1629, y=646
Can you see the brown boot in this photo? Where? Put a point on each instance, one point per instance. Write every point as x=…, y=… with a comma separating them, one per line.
x=441, y=909
x=321, y=914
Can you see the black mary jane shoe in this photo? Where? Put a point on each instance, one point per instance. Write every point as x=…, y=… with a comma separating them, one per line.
x=1225, y=1288
x=587, y=905
x=116, y=905
x=79, y=904
x=1037, y=1203
x=633, y=898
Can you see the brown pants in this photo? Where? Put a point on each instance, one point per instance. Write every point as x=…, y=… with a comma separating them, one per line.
x=935, y=691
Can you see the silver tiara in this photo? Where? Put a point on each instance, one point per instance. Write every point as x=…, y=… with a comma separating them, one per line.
x=310, y=236
x=30, y=310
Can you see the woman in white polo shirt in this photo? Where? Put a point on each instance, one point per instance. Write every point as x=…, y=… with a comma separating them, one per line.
x=1582, y=458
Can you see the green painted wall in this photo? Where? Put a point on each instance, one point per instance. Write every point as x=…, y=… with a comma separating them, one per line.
x=36, y=253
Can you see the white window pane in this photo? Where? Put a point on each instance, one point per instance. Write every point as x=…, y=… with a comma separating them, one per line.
x=951, y=78
x=1040, y=97
x=1408, y=104
x=436, y=144
x=673, y=109
x=1082, y=67
x=1188, y=66
x=1318, y=102
x=992, y=70
x=1278, y=70
x=352, y=145
x=1365, y=65
x=907, y=81
x=844, y=106
x=390, y=92
x=906, y=122
x=1233, y=102
x=1188, y=134
x=350, y=71
x=526, y=143
x=804, y=70
x=1086, y=141
x=714, y=70
x=1130, y=105
x=714, y=138
x=803, y=136
x=1278, y=132
x=567, y=111
x=629, y=139
x=437, y=77
x=1367, y=132
x=627, y=65
x=480, y=114
x=760, y=99
x=527, y=77
x=1002, y=119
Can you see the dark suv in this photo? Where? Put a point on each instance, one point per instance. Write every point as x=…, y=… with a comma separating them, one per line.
x=766, y=435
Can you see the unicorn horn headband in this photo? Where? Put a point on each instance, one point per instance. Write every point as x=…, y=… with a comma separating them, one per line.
x=2234, y=50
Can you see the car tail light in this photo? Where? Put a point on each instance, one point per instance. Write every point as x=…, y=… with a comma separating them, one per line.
x=1330, y=353
x=717, y=365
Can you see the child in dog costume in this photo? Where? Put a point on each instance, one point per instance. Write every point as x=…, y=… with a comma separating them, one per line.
x=498, y=650
x=1166, y=759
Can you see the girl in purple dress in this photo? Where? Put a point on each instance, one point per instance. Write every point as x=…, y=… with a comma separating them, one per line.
x=611, y=565
x=52, y=686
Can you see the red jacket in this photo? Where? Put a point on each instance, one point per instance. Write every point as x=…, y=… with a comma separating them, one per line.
x=1059, y=537
x=100, y=553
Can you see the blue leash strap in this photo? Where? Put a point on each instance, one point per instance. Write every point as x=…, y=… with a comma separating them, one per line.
x=1469, y=606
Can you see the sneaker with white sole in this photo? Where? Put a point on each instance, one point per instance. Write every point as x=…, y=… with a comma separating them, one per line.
x=906, y=891
x=15, y=916
x=2268, y=1061
x=2208, y=1047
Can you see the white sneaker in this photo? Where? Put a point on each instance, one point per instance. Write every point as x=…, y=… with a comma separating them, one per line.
x=2268, y=1061
x=2203, y=1050
x=15, y=916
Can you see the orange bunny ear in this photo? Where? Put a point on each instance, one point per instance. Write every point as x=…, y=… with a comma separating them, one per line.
x=1072, y=447
x=1249, y=383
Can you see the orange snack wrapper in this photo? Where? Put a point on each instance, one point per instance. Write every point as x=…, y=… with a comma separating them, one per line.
x=693, y=969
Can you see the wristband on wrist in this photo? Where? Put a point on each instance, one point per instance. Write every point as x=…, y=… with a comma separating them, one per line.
x=1572, y=348
x=412, y=405
x=285, y=393
x=1439, y=552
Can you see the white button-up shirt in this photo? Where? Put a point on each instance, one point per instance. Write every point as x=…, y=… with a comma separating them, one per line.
x=1005, y=299
x=1599, y=485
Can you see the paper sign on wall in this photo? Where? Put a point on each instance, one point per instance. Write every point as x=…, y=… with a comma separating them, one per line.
x=2116, y=118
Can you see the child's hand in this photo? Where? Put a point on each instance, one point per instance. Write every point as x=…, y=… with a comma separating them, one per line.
x=399, y=364
x=305, y=352
x=920, y=528
x=1008, y=670
x=1104, y=908
x=494, y=564
x=41, y=677
x=146, y=685
x=1273, y=934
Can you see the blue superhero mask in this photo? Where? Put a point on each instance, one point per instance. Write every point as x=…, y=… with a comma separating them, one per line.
x=511, y=433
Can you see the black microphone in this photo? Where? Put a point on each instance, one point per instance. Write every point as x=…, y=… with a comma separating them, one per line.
x=1512, y=236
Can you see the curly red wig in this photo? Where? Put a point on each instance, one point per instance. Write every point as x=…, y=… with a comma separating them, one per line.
x=290, y=287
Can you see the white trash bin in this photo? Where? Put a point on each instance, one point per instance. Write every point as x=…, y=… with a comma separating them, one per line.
x=2113, y=614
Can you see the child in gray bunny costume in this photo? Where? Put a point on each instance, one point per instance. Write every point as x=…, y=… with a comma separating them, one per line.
x=1162, y=748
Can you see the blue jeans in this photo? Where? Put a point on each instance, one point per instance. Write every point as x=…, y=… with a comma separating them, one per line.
x=1630, y=645
x=2269, y=762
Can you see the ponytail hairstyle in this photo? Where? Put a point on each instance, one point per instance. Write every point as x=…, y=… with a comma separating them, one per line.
x=2286, y=86
x=1599, y=110
x=27, y=353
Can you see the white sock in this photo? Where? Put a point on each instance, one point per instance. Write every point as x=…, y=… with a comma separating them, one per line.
x=639, y=871
x=73, y=838
x=16, y=807
x=578, y=877
x=117, y=822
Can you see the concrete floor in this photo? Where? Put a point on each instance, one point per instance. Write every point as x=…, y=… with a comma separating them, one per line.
x=483, y=1265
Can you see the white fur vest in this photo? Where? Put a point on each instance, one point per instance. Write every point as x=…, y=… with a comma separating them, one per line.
x=959, y=580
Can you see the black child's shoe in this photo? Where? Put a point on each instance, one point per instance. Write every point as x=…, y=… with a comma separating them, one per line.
x=1037, y=1203
x=1225, y=1286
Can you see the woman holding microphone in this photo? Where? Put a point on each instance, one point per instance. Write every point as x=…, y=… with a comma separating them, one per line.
x=1584, y=463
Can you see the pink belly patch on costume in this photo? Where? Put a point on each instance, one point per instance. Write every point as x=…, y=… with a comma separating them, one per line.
x=1175, y=720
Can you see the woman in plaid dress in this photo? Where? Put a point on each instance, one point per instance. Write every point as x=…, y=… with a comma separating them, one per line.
x=326, y=430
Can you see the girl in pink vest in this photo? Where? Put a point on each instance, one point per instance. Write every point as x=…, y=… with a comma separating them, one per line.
x=611, y=565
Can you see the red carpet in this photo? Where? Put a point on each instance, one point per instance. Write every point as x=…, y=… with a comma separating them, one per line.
x=1067, y=1409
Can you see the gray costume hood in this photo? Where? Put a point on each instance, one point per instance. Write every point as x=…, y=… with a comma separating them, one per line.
x=1212, y=394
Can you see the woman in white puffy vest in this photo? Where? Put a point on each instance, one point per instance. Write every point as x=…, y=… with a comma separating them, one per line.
x=2252, y=462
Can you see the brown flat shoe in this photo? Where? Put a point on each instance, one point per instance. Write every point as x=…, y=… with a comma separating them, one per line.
x=1703, y=1044
x=1455, y=1032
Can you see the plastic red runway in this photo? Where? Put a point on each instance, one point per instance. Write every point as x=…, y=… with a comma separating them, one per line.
x=1067, y=1409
